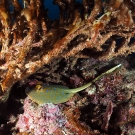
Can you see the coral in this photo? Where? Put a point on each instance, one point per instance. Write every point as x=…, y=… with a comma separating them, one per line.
x=50, y=119
x=28, y=39
x=107, y=116
x=41, y=120
x=86, y=40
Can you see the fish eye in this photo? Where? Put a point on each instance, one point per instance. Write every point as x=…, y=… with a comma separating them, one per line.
x=39, y=87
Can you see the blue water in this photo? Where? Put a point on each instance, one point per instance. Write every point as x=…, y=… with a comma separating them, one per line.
x=53, y=9
x=53, y=12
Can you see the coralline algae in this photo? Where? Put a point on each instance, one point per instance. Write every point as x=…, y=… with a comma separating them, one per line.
x=41, y=120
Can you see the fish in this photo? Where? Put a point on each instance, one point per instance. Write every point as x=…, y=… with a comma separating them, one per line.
x=57, y=94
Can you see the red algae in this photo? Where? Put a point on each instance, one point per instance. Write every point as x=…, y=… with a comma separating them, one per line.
x=39, y=120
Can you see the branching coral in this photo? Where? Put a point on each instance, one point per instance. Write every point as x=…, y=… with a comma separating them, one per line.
x=28, y=39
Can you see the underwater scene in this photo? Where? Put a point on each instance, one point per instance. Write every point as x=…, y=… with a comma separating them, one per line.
x=67, y=67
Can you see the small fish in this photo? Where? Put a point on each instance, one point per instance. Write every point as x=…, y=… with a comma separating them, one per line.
x=56, y=94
